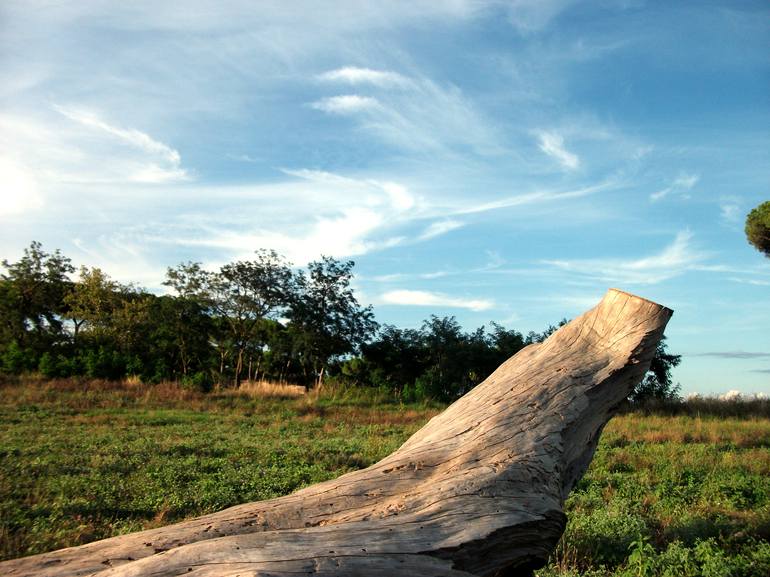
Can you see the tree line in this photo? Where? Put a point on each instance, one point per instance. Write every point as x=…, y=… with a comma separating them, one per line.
x=250, y=320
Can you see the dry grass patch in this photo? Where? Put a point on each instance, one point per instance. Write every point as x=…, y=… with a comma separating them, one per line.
x=260, y=389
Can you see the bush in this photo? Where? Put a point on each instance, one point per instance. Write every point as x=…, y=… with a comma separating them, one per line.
x=104, y=363
x=200, y=381
x=16, y=360
x=55, y=366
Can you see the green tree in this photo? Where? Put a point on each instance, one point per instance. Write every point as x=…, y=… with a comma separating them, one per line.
x=330, y=320
x=758, y=228
x=657, y=382
x=507, y=342
x=394, y=360
x=11, y=323
x=179, y=333
x=240, y=294
x=534, y=337
x=92, y=301
x=114, y=320
x=31, y=307
x=33, y=293
x=130, y=323
x=444, y=378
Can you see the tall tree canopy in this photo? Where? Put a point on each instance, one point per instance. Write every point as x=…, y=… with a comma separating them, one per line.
x=92, y=300
x=33, y=295
x=327, y=315
x=758, y=228
x=240, y=295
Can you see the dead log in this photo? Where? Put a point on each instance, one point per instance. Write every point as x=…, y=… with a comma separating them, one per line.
x=479, y=490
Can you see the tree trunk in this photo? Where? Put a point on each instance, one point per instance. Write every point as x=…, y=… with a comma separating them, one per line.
x=319, y=382
x=77, y=324
x=479, y=490
x=239, y=367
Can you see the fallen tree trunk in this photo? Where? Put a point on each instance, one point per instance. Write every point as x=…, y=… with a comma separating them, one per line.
x=479, y=490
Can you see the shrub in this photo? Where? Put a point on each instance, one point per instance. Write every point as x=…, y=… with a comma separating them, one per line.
x=16, y=360
x=200, y=381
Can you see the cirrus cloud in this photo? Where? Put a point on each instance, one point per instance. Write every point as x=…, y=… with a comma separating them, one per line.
x=355, y=75
x=552, y=144
x=345, y=104
x=433, y=299
x=675, y=259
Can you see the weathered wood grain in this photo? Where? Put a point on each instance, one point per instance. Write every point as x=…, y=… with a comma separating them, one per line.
x=478, y=490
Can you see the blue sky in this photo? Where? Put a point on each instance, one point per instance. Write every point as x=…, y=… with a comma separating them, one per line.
x=503, y=161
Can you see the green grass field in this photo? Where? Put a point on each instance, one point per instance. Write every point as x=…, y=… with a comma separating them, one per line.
x=665, y=495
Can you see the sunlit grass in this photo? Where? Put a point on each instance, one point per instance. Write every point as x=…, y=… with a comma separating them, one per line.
x=85, y=460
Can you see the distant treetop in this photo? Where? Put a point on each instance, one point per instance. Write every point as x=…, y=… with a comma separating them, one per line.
x=758, y=228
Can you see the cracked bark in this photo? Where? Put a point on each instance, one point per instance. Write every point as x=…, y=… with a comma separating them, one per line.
x=479, y=490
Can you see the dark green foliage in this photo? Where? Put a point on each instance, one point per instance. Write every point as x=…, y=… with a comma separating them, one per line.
x=439, y=361
x=16, y=359
x=32, y=293
x=179, y=335
x=240, y=295
x=222, y=327
x=758, y=228
x=200, y=381
x=393, y=360
x=326, y=316
x=657, y=384
x=55, y=365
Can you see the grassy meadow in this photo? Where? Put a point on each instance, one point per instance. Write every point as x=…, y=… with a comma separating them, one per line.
x=676, y=494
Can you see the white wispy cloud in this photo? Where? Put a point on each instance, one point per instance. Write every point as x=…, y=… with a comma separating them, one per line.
x=426, y=298
x=129, y=135
x=686, y=181
x=398, y=194
x=312, y=214
x=400, y=277
x=681, y=185
x=321, y=176
x=356, y=75
x=537, y=197
x=125, y=257
x=552, y=144
x=675, y=259
x=243, y=158
x=749, y=281
x=422, y=117
x=440, y=227
x=529, y=16
x=160, y=163
x=346, y=104
x=350, y=232
x=316, y=19
x=730, y=210
x=45, y=151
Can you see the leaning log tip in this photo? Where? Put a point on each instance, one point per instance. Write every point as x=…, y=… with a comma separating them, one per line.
x=637, y=297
